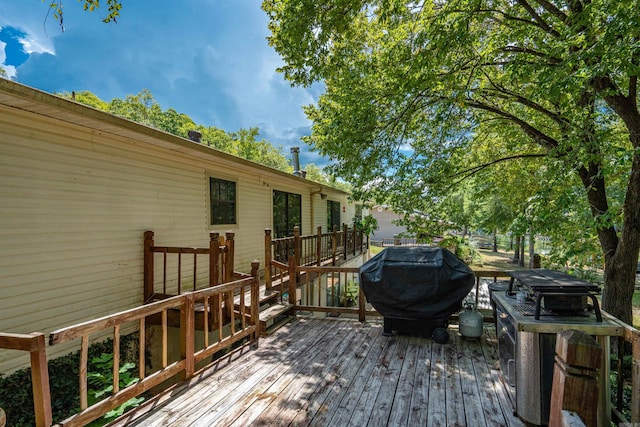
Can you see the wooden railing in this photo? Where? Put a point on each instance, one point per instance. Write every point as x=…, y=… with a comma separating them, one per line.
x=207, y=306
x=322, y=290
x=34, y=343
x=315, y=249
x=186, y=268
x=333, y=290
x=398, y=241
x=629, y=345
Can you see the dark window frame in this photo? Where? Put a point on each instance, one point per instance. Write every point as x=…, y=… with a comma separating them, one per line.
x=286, y=213
x=223, y=201
x=333, y=214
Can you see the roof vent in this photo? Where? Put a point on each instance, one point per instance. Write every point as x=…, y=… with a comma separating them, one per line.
x=194, y=135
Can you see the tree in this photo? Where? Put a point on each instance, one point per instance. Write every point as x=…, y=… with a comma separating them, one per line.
x=113, y=9
x=246, y=146
x=554, y=78
x=144, y=109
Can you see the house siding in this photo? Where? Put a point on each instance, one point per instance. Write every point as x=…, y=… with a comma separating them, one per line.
x=75, y=202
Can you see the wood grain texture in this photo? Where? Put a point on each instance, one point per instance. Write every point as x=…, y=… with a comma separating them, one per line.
x=321, y=372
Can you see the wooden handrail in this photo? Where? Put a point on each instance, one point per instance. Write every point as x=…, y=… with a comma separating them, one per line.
x=34, y=343
x=220, y=263
x=185, y=303
x=308, y=250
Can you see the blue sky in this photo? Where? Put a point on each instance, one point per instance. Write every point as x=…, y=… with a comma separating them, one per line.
x=208, y=59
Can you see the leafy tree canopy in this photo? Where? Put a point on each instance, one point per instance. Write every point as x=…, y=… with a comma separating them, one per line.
x=143, y=108
x=537, y=97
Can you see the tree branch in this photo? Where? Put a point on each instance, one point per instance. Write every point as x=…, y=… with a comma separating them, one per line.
x=517, y=49
x=537, y=18
x=467, y=173
x=507, y=94
x=540, y=137
x=552, y=9
x=625, y=107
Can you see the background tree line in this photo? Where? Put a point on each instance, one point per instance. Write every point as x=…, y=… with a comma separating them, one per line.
x=511, y=114
x=245, y=143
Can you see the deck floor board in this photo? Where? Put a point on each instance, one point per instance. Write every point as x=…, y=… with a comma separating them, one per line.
x=316, y=372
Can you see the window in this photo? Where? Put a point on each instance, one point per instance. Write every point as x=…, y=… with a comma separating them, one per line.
x=287, y=213
x=222, y=199
x=333, y=214
x=358, y=215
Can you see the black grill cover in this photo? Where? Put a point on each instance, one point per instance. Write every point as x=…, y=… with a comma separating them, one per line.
x=416, y=282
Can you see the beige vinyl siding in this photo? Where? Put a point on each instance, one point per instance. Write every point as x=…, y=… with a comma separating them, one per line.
x=74, y=209
x=319, y=207
x=79, y=188
x=350, y=211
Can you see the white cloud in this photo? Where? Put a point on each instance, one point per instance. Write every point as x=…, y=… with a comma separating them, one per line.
x=34, y=45
x=9, y=69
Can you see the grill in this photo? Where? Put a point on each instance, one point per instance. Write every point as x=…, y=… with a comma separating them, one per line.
x=416, y=289
x=555, y=292
x=535, y=306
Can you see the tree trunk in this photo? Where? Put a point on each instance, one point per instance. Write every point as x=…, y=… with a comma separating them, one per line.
x=495, y=240
x=620, y=252
x=532, y=243
x=521, y=260
x=621, y=258
x=620, y=264
x=516, y=250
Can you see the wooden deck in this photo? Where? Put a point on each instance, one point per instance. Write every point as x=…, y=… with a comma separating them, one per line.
x=323, y=372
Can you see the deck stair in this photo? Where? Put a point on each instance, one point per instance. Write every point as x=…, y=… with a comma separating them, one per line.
x=273, y=316
x=274, y=311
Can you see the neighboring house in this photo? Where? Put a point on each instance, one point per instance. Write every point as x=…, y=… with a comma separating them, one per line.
x=79, y=187
x=386, y=227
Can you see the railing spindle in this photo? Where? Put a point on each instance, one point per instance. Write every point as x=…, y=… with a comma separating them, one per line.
x=195, y=269
x=84, y=359
x=116, y=358
x=165, y=341
x=179, y=273
x=164, y=275
x=205, y=321
x=142, y=345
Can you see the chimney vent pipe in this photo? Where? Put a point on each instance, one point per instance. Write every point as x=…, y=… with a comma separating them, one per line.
x=295, y=151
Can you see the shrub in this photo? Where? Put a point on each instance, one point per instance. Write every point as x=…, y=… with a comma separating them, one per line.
x=16, y=395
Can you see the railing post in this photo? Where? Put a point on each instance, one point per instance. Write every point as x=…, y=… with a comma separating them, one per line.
x=362, y=316
x=575, y=377
x=334, y=244
x=297, y=252
x=228, y=276
x=293, y=285
x=345, y=240
x=635, y=378
x=148, y=267
x=187, y=334
x=214, y=258
x=229, y=258
x=355, y=246
x=319, y=246
x=34, y=343
x=255, y=303
x=40, y=381
x=267, y=259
